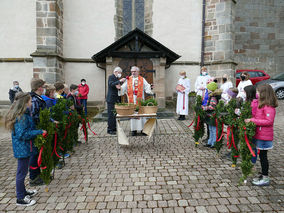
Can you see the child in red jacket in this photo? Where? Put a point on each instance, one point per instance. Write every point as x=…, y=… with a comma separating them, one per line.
x=264, y=120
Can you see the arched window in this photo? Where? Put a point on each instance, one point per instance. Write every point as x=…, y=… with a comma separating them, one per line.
x=133, y=15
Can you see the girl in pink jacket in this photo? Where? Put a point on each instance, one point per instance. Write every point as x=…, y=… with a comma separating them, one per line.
x=264, y=120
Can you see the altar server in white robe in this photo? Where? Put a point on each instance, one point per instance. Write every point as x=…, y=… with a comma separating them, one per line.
x=183, y=89
x=134, y=87
x=201, y=82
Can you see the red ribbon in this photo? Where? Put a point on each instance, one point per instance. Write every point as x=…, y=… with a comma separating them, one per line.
x=183, y=101
x=248, y=143
x=84, y=128
x=233, y=139
x=55, y=142
x=39, y=160
x=222, y=134
x=197, y=127
x=91, y=129
x=228, y=137
x=190, y=123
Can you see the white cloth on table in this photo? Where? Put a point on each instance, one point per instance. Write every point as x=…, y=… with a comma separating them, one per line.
x=136, y=124
x=182, y=97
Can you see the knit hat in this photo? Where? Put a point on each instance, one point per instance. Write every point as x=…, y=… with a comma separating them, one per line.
x=36, y=83
x=212, y=86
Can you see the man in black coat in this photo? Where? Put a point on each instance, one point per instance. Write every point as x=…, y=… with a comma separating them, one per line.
x=112, y=97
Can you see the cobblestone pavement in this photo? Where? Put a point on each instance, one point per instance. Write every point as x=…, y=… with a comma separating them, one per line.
x=169, y=175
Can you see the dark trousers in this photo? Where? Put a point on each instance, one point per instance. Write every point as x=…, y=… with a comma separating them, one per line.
x=33, y=163
x=264, y=162
x=111, y=121
x=22, y=171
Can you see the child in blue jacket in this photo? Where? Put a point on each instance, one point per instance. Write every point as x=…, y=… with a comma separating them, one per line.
x=19, y=121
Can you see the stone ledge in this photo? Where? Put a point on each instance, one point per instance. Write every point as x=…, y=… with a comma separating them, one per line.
x=220, y=62
x=3, y=60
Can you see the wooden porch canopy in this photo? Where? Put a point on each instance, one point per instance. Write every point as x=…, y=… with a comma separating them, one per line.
x=136, y=44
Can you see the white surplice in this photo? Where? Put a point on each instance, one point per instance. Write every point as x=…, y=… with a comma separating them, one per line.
x=200, y=84
x=182, y=97
x=136, y=124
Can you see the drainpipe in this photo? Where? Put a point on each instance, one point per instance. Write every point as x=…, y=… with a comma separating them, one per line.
x=203, y=33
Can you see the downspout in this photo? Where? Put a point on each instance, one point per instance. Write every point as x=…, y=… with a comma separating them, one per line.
x=203, y=33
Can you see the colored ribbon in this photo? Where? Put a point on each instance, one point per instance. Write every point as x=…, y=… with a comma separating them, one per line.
x=190, y=123
x=197, y=127
x=55, y=144
x=183, y=101
x=91, y=129
x=222, y=134
x=248, y=143
x=228, y=137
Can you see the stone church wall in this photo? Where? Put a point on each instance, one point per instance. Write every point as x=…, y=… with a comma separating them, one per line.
x=259, y=40
x=17, y=40
x=177, y=25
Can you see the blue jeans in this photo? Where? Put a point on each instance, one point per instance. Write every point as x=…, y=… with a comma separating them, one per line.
x=212, y=135
x=22, y=171
x=33, y=162
x=84, y=103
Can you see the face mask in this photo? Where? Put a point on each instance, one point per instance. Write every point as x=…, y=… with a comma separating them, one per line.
x=204, y=73
x=83, y=83
x=224, y=79
x=16, y=86
x=76, y=93
x=243, y=77
x=182, y=76
x=256, y=96
x=118, y=75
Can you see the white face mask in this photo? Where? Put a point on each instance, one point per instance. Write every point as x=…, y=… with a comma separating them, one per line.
x=182, y=76
x=204, y=73
x=83, y=83
x=119, y=75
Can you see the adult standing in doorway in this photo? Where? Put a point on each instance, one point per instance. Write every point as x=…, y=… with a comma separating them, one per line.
x=83, y=94
x=183, y=88
x=114, y=84
x=135, y=87
x=201, y=82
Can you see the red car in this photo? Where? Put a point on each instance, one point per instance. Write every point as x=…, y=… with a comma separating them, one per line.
x=254, y=76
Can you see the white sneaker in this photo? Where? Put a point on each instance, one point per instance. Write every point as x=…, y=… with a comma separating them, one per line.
x=25, y=202
x=264, y=181
x=31, y=193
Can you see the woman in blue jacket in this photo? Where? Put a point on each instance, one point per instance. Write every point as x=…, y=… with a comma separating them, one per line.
x=19, y=121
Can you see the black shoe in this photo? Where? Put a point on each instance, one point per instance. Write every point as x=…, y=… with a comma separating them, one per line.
x=182, y=118
x=143, y=134
x=31, y=193
x=207, y=145
x=25, y=202
x=111, y=132
x=212, y=147
x=36, y=182
x=179, y=118
x=133, y=133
